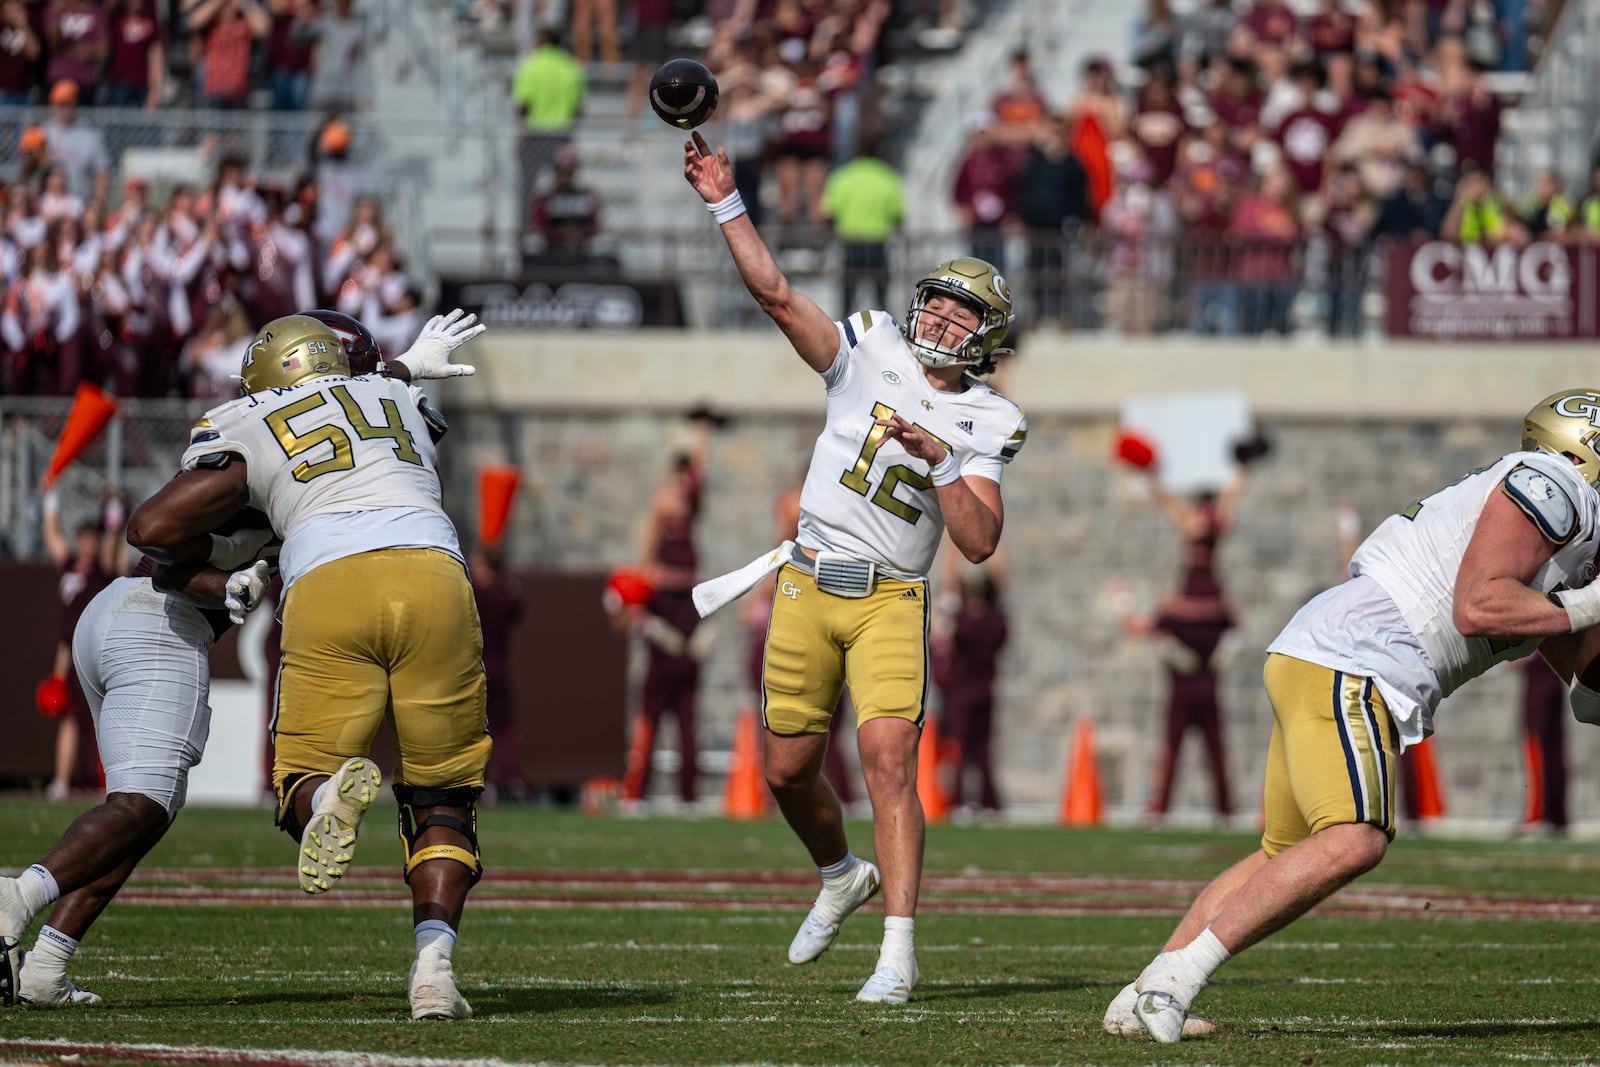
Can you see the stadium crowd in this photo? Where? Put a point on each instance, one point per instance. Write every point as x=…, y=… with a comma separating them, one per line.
x=150, y=292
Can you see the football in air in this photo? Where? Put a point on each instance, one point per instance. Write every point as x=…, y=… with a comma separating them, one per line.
x=683, y=93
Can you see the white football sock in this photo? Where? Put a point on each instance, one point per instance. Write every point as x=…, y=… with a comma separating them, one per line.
x=52, y=951
x=38, y=888
x=836, y=870
x=435, y=936
x=899, y=939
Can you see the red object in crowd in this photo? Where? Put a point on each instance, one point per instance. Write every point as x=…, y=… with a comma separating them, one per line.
x=1094, y=152
x=92, y=408
x=1134, y=449
x=630, y=586
x=51, y=697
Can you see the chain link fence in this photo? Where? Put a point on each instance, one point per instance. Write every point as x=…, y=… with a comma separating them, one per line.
x=135, y=454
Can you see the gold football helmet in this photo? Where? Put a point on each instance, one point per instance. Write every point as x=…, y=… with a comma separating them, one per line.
x=291, y=350
x=978, y=285
x=1567, y=424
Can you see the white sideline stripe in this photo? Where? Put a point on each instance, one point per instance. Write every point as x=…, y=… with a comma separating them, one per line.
x=212, y=1054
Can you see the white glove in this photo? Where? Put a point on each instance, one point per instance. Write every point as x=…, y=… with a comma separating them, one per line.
x=244, y=590
x=231, y=551
x=429, y=355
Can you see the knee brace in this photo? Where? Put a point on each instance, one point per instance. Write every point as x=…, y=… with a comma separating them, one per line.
x=464, y=799
x=284, y=818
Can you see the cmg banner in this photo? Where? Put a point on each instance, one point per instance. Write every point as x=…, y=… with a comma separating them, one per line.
x=1441, y=291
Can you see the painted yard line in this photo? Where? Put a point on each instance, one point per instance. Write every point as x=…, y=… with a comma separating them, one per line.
x=246, y=1057
x=1384, y=906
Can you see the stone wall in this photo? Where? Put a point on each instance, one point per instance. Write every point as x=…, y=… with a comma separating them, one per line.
x=1073, y=523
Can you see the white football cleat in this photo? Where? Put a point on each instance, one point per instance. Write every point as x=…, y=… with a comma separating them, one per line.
x=10, y=965
x=433, y=991
x=1121, y=1021
x=834, y=904
x=891, y=983
x=328, y=844
x=52, y=993
x=1162, y=1015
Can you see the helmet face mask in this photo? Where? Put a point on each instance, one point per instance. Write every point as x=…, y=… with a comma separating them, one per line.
x=977, y=286
x=291, y=350
x=1567, y=424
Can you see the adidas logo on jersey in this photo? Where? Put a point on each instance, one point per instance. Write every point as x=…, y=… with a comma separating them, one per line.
x=965, y=425
x=910, y=594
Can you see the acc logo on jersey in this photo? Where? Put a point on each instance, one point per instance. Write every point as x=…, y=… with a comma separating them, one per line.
x=891, y=377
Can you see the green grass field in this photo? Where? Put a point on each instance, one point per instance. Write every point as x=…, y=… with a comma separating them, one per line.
x=605, y=940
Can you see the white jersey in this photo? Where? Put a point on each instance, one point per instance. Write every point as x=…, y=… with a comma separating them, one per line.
x=340, y=466
x=878, y=503
x=1393, y=620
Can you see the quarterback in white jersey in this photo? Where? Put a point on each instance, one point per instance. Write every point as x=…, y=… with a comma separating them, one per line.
x=379, y=620
x=1485, y=570
x=913, y=446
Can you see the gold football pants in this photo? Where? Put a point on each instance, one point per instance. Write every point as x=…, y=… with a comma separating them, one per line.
x=390, y=634
x=818, y=642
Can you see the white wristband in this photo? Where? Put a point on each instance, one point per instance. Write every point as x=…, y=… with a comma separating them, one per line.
x=945, y=471
x=1582, y=605
x=728, y=209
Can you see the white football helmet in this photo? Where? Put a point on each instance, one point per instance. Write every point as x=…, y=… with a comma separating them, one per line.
x=979, y=286
x=1567, y=424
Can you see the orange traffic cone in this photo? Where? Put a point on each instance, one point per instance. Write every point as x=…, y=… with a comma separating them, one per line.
x=633, y=777
x=935, y=805
x=1533, y=757
x=92, y=408
x=1080, y=803
x=1430, y=800
x=497, y=485
x=746, y=794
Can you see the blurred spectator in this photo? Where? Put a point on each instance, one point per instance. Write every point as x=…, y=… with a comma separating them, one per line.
x=1265, y=232
x=983, y=191
x=499, y=600
x=652, y=19
x=1205, y=31
x=1544, y=717
x=77, y=34
x=804, y=144
x=1052, y=199
x=1141, y=221
x=20, y=49
x=1018, y=109
x=1271, y=22
x=1205, y=187
x=1476, y=215
x=210, y=358
x=340, y=184
x=77, y=148
x=339, y=61
x=1416, y=209
x=567, y=215
x=965, y=660
x=1331, y=29
x=39, y=324
x=1158, y=125
x=1098, y=99
x=291, y=47
x=1347, y=221
x=137, y=70
x=751, y=89
x=33, y=150
x=96, y=554
x=865, y=200
x=1379, y=145
x=1307, y=131
x=1468, y=118
x=1545, y=212
x=1237, y=101
x=1155, y=42
x=228, y=30
x=589, y=16
x=549, y=89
